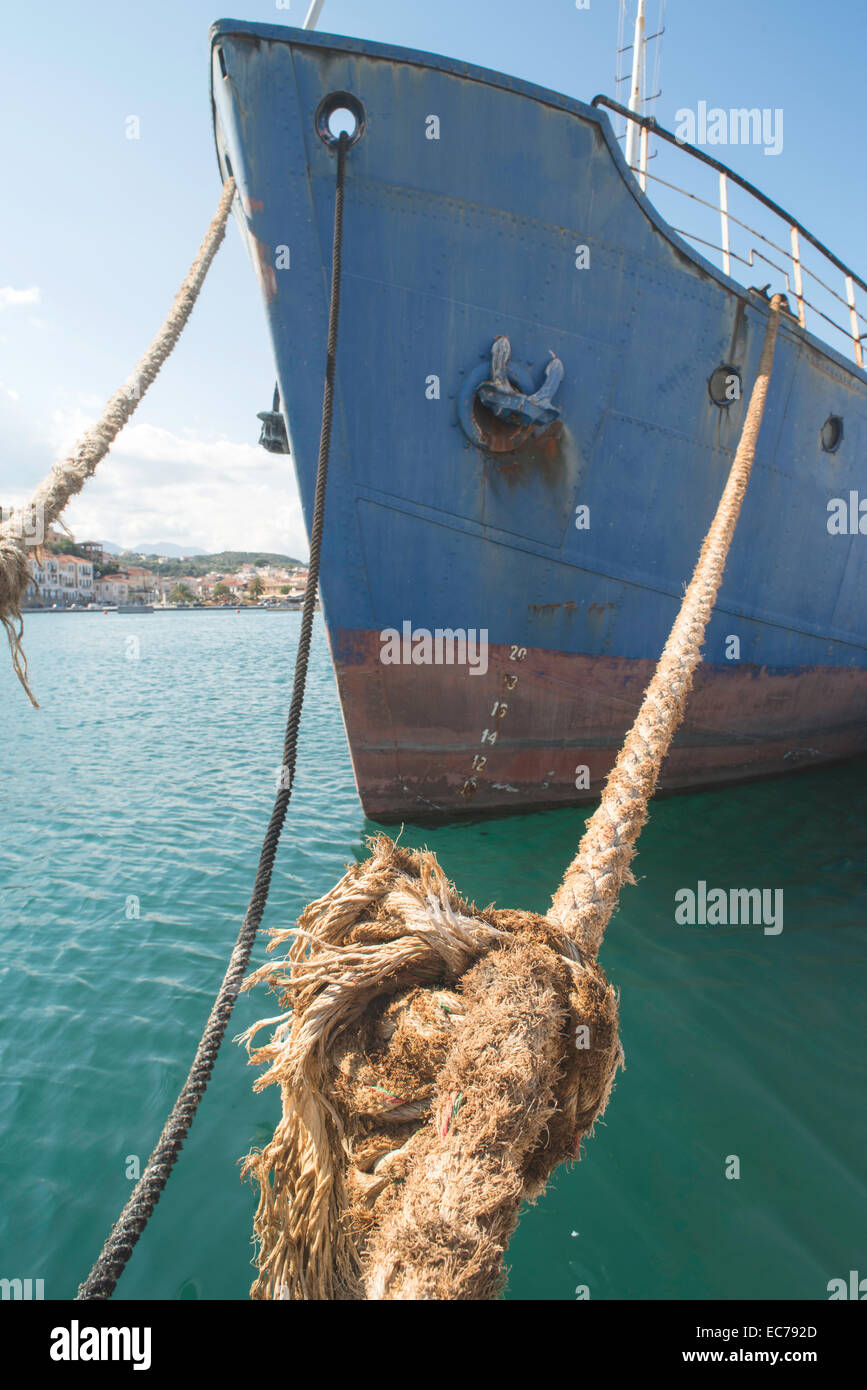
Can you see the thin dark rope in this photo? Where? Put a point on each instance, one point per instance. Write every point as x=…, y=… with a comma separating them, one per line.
x=112, y=1261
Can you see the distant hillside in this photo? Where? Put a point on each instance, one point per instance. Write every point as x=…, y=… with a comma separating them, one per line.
x=226, y=561
x=159, y=548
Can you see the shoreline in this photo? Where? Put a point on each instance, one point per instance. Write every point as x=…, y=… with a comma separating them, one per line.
x=181, y=608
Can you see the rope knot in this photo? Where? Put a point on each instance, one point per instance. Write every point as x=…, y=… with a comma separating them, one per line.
x=427, y=1048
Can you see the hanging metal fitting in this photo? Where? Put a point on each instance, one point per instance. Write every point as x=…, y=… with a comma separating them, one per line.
x=273, y=436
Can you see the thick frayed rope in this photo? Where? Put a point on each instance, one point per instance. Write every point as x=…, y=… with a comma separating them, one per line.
x=588, y=894
x=424, y=1042
x=437, y=1062
x=69, y=475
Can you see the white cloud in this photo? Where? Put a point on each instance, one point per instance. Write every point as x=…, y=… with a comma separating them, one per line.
x=8, y=296
x=157, y=485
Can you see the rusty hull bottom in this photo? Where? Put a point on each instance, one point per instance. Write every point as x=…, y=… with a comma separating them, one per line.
x=417, y=733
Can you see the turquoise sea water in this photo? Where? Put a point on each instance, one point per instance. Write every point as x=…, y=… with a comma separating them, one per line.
x=151, y=776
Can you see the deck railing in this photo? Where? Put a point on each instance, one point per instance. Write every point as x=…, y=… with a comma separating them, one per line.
x=793, y=270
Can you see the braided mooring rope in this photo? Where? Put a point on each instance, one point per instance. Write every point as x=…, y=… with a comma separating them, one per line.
x=135, y=1215
x=588, y=894
x=436, y=1062
x=69, y=475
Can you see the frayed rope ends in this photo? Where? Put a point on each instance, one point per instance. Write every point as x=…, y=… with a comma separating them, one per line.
x=14, y=578
x=436, y=1062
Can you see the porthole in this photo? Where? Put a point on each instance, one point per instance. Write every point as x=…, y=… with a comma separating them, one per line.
x=832, y=434
x=724, y=384
x=338, y=113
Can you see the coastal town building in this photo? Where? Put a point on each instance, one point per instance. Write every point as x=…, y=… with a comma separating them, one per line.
x=274, y=584
x=141, y=583
x=61, y=580
x=94, y=576
x=163, y=587
x=111, y=589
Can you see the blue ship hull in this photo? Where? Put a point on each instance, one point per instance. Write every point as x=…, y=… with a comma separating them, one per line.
x=442, y=516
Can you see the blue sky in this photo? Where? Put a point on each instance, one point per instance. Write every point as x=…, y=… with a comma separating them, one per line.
x=100, y=229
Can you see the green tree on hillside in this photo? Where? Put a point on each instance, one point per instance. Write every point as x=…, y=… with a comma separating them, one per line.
x=223, y=562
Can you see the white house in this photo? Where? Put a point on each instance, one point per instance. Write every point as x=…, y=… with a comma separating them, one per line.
x=60, y=579
x=112, y=589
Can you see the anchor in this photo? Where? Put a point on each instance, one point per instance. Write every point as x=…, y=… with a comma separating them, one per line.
x=507, y=403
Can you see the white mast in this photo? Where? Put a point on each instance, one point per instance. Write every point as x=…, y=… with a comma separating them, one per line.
x=313, y=14
x=636, y=86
